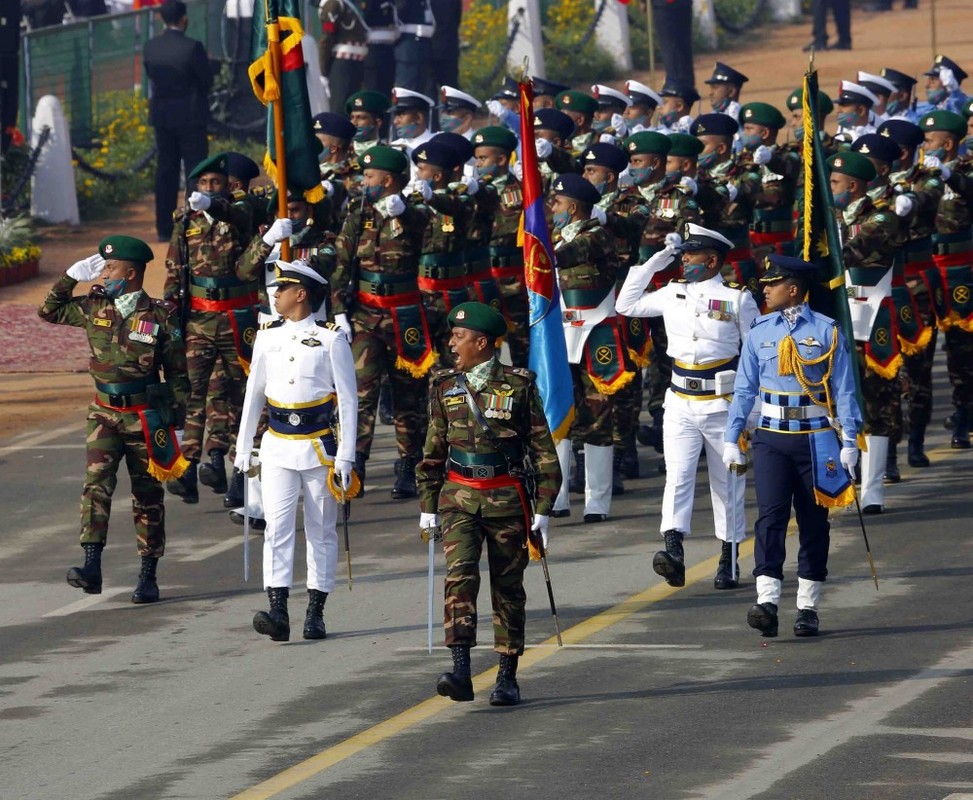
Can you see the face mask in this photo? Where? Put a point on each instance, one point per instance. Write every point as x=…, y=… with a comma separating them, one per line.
x=672, y=177
x=893, y=106
x=365, y=133
x=842, y=200
x=601, y=187
x=408, y=131
x=936, y=96
x=373, y=193
x=936, y=152
x=449, y=123
x=750, y=141
x=642, y=120
x=707, y=160
x=116, y=287
x=669, y=119
x=489, y=172
x=600, y=125
x=847, y=119
x=561, y=218
x=297, y=227
x=721, y=105
x=694, y=272
x=875, y=182
x=211, y=195
x=968, y=143
x=640, y=175
x=799, y=134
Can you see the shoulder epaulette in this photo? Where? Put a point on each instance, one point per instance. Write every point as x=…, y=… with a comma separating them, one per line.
x=734, y=285
x=763, y=318
x=97, y=292
x=323, y=323
x=274, y=324
x=520, y=372
x=678, y=280
x=238, y=194
x=440, y=375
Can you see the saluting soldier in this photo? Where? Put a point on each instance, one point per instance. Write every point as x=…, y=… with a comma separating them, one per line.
x=675, y=114
x=943, y=80
x=855, y=118
x=339, y=177
x=553, y=130
x=725, y=85
x=366, y=110
x=486, y=430
x=131, y=336
x=581, y=108
x=645, y=101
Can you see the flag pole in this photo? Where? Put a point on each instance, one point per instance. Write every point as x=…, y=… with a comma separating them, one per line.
x=273, y=44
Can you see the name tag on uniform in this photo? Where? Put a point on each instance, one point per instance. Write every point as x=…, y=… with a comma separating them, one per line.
x=102, y=323
x=454, y=401
x=194, y=231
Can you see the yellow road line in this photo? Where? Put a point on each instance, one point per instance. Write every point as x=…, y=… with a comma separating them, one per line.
x=393, y=726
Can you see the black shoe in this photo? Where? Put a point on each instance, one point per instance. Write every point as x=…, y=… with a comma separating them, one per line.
x=88, y=577
x=873, y=508
x=147, y=590
x=892, y=474
x=917, y=455
x=163, y=237
x=560, y=513
x=814, y=46
x=234, y=494
x=214, y=473
x=949, y=422
x=256, y=523
x=807, y=622
x=314, y=617
x=618, y=482
x=669, y=562
x=507, y=691
x=576, y=483
x=629, y=462
x=763, y=617
x=405, y=479
x=275, y=623
x=458, y=684
x=185, y=487
x=724, y=577
x=386, y=413
x=961, y=430
x=840, y=46
x=593, y=518
x=360, y=471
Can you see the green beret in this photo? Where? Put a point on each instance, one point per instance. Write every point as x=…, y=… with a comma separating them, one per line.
x=372, y=102
x=796, y=100
x=125, y=248
x=573, y=100
x=495, y=136
x=648, y=142
x=968, y=108
x=478, y=317
x=944, y=121
x=217, y=163
x=761, y=114
x=387, y=158
x=684, y=145
x=854, y=164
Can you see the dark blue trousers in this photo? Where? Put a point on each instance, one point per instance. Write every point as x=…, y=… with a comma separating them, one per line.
x=782, y=476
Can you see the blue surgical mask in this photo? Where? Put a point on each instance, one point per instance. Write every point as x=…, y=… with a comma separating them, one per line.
x=707, y=160
x=722, y=105
x=600, y=125
x=642, y=120
x=936, y=152
x=408, y=131
x=847, y=119
x=373, y=193
x=640, y=175
x=116, y=287
x=893, y=106
x=693, y=272
x=750, y=141
x=936, y=96
x=297, y=227
x=212, y=195
x=799, y=134
x=842, y=200
x=669, y=119
x=602, y=186
x=489, y=172
x=672, y=177
x=449, y=122
x=561, y=218
x=366, y=133
x=968, y=144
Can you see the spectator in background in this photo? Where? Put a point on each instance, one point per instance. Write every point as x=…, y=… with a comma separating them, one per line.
x=445, y=41
x=179, y=80
x=673, y=20
x=841, y=11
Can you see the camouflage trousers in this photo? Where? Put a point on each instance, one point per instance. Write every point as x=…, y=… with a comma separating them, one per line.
x=593, y=411
x=218, y=435
x=374, y=350
x=959, y=364
x=625, y=414
x=883, y=402
x=210, y=342
x=436, y=314
x=112, y=435
x=506, y=540
x=917, y=389
x=660, y=370
x=517, y=313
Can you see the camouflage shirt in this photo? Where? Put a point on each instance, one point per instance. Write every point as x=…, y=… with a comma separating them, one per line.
x=585, y=256
x=626, y=212
x=730, y=214
x=772, y=185
x=510, y=206
x=869, y=233
x=954, y=215
x=312, y=245
x=925, y=188
x=512, y=405
x=671, y=206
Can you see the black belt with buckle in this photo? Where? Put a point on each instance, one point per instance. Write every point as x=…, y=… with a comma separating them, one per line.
x=477, y=471
x=319, y=419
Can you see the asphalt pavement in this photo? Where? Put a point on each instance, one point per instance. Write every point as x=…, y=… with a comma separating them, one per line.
x=657, y=692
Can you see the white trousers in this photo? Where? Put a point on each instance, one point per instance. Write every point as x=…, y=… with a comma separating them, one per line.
x=685, y=432
x=281, y=491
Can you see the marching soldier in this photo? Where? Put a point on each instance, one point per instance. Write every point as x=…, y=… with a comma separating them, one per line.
x=675, y=115
x=486, y=427
x=133, y=416
x=411, y=116
x=706, y=319
x=942, y=87
x=795, y=105
x=798, y=365
x=302, y=374
x=457, y=111
x=645, y=101
x=608, y=119
x=554, y=130
x=366, y=110
x=900, y=104
x=339, y=178
x=581, y=108
x=725, y=85
x=855, y=103
x=883, y=89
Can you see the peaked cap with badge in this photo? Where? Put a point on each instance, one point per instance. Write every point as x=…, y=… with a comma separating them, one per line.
x=542, y=86
x=610, y=98
x=125, y=248
x=672, y=89
x=509, y=91
x=696, y=237
x=643, y=95
x=722, y=73
x=946, y=62
x=854, y=94
x=408, y=100
x=297, y=272
x=780, y=268
x=903, y=82
x=876, y=83
x=451, y=98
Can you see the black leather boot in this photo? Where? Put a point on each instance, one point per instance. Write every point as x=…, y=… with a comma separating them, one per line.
x=88, y=577
x=576, y=483
x=185, y=487
x=234, y=494
x=807, y=622
x=892, y=474
x=405, y=479
x=961, y=430
x=917, y=454
x=214, y=473
x=458, y=684
x=618, y=481
x=386, y=413
x=275, y=624
x=763, y=617
x=507, y=691
x=669, y=562
x=360, y=471
x=629, y=464
x=314, y=618
x=147, y=590
x=725, y=579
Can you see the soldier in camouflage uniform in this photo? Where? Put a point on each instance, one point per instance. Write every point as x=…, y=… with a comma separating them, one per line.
x=338, y=174
x=471, y=483
x=131, y=336
x=925, y=187
x=366, y=110
x=377, y=303
x=581, y=108
x=553, y=130
x=869, y=233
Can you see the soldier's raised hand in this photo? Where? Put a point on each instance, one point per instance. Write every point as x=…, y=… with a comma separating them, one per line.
x=87, y=269
x=199, y=201
x=395, y=205
x=762, y=155
x=420, y=187
x=280, y=230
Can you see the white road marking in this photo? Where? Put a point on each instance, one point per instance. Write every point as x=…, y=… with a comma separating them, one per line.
x=65, y=446
x=944, y=758
x=87, y=602
x=29, y=442
x=216, y=549
x=582, y=647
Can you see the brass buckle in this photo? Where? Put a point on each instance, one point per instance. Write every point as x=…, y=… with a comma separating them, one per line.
x=793, y=412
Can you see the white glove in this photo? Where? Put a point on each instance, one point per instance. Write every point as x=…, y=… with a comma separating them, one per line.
x=950, y=84
x=472, y=184
x=599, y=214
x=690, y=184
x=849, y=458
x=341, y=320
x=608, y=138
x=242, y=462
x=541, y=523
x=199, y=201
x=280, y=230
x=732, y=455
x=343, y=469
x=328, y=187
x=945, y=172
x=732, y=192
x=88, y=269
x=932, y=162
x=396, y=205
x=518, y=170
x=673, y=240
x=684, y=124
x=543, y=147
x=421, y=187
x=427, y=521
x=618, y=124
x=903, y=206
x=495, y=107
x=762, y=155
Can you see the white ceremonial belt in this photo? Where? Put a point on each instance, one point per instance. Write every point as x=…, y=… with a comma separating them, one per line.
x=383, y=36
x=352, y=51
x=791, y=412
x=579, y=322
x=421, y=31
x=693, y=384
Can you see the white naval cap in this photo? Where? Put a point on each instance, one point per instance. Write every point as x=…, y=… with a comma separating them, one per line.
x=640, y=93
x=851, y=93
x=606, y=96
x=869, y=81
x=451, y=97
x=696, y=237
x=406, y=99
x=297, y=272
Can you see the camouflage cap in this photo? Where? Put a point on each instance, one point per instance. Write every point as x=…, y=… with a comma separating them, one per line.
x=372, y=102
x=761, y=114
x=852, y=164
x=217, y=163
x=495, y=136
x=478, y=317
x=684, y=145
x=386, y=158
x=944, y=121
x=648, y=142
x=573, y=100
x=125, y=248
x=795, y=100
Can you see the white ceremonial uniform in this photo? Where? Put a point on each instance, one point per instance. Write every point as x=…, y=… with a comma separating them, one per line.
x=297, y=365
x=705, y=324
